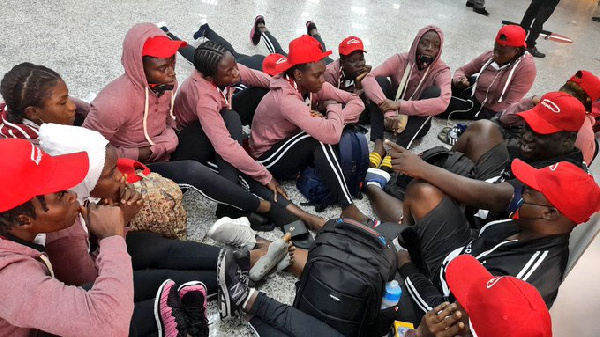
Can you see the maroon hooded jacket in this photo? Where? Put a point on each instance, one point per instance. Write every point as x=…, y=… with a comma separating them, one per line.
x=127, y=112
x=437, y=74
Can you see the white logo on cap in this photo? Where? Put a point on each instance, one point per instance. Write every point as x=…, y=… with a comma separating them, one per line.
x=352, y=41
x=550, y=105
x=281, y=60
x=492, y=282
x=36, y=155
x=553, y=167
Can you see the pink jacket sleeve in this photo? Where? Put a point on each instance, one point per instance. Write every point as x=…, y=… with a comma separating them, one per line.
x=388, y=68
x=353, y=104
x=229, y=149
x=430, y=106
x=253, y=77
x=165, y=143
x=68, y=250
x=472, y=67
x=585, y=140
x=327, y=130
x=108, y=124
x=47, y=304
x=509, y=115
x=81, y=108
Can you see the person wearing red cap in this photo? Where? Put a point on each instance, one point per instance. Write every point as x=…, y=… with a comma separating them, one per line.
x=494, y=80
x=413, y=87
x=533, y=21
x=532, y=244
x=36, y=201
x=288, y=134
x=584, y=86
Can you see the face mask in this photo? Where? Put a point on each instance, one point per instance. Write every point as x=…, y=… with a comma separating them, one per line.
x=160, y=89
x=515, y=203
x=425, y=60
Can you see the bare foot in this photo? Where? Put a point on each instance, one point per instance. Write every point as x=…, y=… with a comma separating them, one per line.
x=313, y=222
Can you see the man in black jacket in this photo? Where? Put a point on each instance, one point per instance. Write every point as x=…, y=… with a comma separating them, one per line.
x=531, y=245
x=434, y=201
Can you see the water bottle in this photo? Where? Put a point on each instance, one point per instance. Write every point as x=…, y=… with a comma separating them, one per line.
x=392, y=294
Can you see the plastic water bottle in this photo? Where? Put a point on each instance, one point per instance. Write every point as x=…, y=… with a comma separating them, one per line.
x=392, y=294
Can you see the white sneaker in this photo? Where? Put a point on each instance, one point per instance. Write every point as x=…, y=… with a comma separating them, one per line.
x=233, y=232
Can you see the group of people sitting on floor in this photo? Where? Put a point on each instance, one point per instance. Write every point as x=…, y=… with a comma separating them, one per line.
x=482, y=250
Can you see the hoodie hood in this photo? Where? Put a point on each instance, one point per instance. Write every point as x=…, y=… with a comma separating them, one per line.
x=413, y=49
x=58, y=139
x=132, y=51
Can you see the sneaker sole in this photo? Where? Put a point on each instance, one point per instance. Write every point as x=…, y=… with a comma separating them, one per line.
x=159, y=322
x=224, y=302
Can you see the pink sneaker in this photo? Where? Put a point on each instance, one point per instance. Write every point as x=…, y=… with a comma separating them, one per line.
x=193, y=297
x=254, y=32
x=171, y=318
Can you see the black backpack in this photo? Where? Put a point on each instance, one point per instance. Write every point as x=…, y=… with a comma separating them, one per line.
x=344, y=279
x=455, y=162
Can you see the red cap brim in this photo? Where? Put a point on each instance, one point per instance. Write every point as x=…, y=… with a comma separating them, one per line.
x=525, y=173
x=537, y=123
x=165, y=49
x=64, y=172
x=282, y=67
x=463, y=274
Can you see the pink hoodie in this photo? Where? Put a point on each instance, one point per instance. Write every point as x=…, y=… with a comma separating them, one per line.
x=499, y=87
x=283, y=113
x=127, y=112
x=585, y=137
x=437, y=74
x=199, y=99
x=33, y=300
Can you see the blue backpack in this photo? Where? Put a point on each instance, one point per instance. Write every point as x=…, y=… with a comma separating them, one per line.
x=353, y=156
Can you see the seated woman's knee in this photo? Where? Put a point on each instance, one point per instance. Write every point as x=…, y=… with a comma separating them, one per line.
x=420, y=191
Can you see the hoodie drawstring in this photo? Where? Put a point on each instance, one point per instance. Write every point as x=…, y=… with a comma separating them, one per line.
x=404, y=81
x=145, y=121
x=510, y=76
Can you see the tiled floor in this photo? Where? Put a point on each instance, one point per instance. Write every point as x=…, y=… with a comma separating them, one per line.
x=82, y=41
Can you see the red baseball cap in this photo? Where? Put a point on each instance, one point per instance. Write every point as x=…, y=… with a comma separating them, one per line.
x=269, y=65
x=557, y=111
x=34, y=172
x=304, y=49
x=161, y=47
x=512, y=36
x=497, y=306
x=588, y=82
x=567, y=187
x=351, y=44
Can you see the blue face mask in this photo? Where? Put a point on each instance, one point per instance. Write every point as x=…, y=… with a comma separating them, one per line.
x=515, y=203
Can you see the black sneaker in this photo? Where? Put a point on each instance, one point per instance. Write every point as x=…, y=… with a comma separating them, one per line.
x=310, y=25
x=481, y=11
x=233, y=282
x=171, y=318
x=596, y=18
x=201, y=32
x=535, y=52
x=255, y=31
x=193, y=299
x=470, y=4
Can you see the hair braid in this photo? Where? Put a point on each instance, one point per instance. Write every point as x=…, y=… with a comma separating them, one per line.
x=207, y=57
x=26, y=85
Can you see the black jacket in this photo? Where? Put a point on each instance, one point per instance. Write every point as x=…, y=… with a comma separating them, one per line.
x=540, y=262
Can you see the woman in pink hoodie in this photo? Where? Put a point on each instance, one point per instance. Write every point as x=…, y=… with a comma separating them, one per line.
x=494, y=80
x=288, y=134
x=135, y=113
x=36, y=201
x=413, y=85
